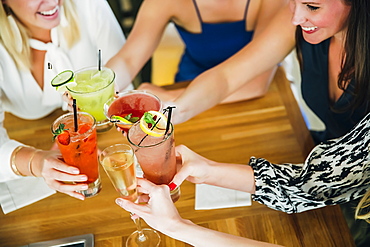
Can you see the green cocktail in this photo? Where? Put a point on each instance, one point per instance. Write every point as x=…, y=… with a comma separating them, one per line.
x=92, y=88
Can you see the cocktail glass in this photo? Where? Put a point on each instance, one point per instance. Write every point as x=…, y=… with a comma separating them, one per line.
x=118, y=162
x=156, y=155
x=134, y=102
x=81, y=151
x=92, y=88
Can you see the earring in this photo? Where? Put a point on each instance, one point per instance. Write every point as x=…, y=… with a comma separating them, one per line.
x=16, y=32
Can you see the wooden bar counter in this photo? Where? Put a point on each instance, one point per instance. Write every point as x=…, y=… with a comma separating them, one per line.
x=270, y=127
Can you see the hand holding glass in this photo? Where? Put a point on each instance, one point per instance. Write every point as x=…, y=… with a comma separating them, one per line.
x=118, y=163
x=156, y=155
x=79, y=147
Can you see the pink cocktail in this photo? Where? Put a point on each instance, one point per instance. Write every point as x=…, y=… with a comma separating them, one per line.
x=156, y=155
x=128, y=107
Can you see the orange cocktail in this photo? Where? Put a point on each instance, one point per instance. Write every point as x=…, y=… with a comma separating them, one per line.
x=79, y=147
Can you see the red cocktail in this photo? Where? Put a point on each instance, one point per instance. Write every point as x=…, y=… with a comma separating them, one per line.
x=128, y=107
x=79, y=148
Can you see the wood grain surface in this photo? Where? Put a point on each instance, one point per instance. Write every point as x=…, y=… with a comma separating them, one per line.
x=270, y=127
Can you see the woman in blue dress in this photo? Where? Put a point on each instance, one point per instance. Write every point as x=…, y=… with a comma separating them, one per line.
x=212, y=31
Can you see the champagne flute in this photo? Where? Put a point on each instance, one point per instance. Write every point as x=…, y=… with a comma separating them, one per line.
x=118, y=162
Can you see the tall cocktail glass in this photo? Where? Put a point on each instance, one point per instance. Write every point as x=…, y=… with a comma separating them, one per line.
x=156, y=155
x=92, y=88
x=118, y=162
x=80, y=150
x=134, y=102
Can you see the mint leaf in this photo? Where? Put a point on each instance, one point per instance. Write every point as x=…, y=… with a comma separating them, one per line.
x=128, y=117
x=148, y=118
x=133, y=119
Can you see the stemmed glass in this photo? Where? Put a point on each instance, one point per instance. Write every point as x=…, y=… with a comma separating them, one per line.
x=118, y=162
x=129, y=106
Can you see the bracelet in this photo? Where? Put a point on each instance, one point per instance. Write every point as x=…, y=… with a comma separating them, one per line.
x=12, y=163
x=30, y=162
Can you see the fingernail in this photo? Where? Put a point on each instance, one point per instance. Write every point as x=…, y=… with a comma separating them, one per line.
x=119, y=202
x=172, y=186
x=84, y=187
x=75, y=171
x=80, y=198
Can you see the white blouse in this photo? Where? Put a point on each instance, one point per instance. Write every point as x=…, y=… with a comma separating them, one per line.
x=21, y=95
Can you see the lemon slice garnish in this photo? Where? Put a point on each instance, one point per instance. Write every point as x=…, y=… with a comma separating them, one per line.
x=155, y=128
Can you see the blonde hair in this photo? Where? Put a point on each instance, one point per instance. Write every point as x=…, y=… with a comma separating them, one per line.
x=22, y=58
x=364, y=205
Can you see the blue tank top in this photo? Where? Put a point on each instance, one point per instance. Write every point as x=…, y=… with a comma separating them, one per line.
x=216, y=43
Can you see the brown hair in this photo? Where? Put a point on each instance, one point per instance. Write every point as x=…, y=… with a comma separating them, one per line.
x=355, y=64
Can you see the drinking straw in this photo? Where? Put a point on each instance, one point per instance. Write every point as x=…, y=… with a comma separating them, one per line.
x=169, y=108
x=75, y=115
x=155, y=124
x=99, y=60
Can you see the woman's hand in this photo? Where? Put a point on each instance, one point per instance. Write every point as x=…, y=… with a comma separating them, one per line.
x=191, y=167
x=67, y=97
x=159, y=212
x=58, y=175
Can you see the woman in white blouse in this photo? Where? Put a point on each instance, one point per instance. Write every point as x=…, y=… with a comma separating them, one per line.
x=34, y=33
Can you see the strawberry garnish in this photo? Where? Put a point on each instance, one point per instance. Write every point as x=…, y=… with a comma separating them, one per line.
x=62, y=134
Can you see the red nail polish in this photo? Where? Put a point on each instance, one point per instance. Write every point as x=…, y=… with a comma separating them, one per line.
x=172, y=186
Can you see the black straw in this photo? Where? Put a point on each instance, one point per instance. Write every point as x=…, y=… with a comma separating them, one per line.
x=99, y=60
x=75, y=115
x=169, y=108
x=155, y=124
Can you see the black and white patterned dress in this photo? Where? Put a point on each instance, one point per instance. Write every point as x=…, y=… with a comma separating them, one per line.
x=335, y=172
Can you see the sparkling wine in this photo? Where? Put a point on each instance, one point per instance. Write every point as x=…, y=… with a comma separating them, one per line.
x=121, y=171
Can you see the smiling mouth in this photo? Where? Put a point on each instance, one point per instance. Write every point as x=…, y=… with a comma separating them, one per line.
x=308, y=29
x=49, y=12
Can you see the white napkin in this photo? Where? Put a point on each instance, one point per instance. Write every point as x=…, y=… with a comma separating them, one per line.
x=212, y=197
x=18, y=193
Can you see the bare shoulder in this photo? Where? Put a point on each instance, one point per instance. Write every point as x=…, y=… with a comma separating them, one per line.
x=271, y=6
x=166, y=5
x=264, y=11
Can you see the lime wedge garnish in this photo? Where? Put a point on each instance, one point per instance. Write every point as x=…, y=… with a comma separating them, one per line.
x=120, y=119
x=62, y=78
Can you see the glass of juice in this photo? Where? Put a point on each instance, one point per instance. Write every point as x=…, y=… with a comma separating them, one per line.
x=92, y=88
x=118, y=162
x=79, y=147
x=129, y=106
x=155, y=152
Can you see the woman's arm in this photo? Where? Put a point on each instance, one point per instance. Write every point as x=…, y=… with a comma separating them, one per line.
x=261, y=54
x=150, y=23
x=335, y=172
x=161, y=214
x=198, y=169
